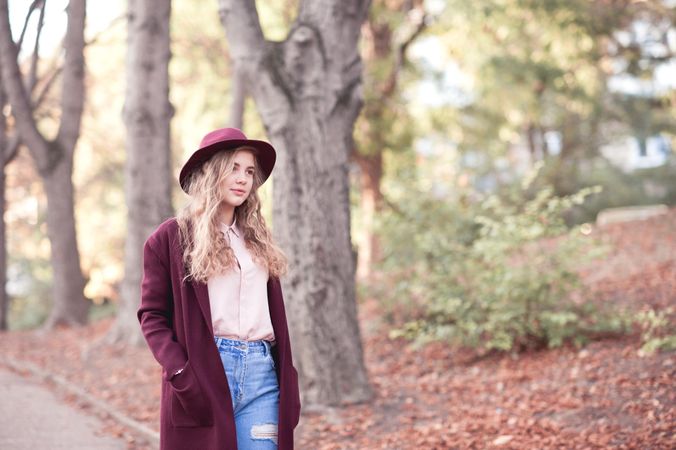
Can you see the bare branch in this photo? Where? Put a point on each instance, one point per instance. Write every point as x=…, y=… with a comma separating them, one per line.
x=47, y=86
x=33, y=7
x=418, y=18
x=18, y=97
x=72, y=94
x=121, y=19
x=12, y=149
x=33, y=74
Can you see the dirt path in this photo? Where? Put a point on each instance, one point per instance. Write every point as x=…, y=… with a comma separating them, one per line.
x=33, y=417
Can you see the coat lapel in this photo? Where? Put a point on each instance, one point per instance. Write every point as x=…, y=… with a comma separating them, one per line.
x=202, y=294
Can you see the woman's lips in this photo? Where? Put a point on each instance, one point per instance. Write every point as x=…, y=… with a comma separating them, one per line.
x=238, y=191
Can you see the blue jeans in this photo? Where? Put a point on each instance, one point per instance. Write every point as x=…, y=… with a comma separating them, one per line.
x=254, y=391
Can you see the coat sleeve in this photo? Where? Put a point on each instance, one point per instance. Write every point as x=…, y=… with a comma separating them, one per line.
x=155, y=313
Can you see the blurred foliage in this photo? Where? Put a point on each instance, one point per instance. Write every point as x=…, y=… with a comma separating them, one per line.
x=29, y=304
x=29, y=270
x=538, y=66
x=385, y=123
x=643, y=186
x=495, y=274
x=656, y=331
x=550, y=80
x=101, y=311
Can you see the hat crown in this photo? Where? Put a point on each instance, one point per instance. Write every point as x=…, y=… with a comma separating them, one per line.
x=221, y=135
x=225, y=139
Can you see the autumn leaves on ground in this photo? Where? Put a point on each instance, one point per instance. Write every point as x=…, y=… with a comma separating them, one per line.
x=605, y=395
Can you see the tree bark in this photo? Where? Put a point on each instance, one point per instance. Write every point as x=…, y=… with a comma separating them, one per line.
x=54, y=159
x=307, y=91
x=147, y=116
x=4, y=298
x=68, y=281
x=238, y=98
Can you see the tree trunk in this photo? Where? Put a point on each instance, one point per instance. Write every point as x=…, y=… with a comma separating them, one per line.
x=8, y=150
x=238, y=98
x=70, y=305
x=147, y=116
x=532, y=149
x=371, y=168
x=54, y=160
x=307, y=90
x=4, y=298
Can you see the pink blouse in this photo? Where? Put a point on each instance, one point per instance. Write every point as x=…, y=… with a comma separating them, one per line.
x=239, y=297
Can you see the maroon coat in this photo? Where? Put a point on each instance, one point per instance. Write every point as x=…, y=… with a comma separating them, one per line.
x=196, y=411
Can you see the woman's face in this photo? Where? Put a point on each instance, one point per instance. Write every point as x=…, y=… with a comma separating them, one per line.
x=237, y=184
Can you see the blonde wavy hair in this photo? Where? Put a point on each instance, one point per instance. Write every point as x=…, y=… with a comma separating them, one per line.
x=206, y=252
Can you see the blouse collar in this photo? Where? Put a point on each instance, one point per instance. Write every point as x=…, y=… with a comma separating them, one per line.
x=225, y=228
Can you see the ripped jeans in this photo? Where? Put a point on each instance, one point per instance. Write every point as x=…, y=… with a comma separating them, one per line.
x=254, y=389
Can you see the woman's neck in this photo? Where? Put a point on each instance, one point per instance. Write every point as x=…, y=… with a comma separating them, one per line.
x=227, y=215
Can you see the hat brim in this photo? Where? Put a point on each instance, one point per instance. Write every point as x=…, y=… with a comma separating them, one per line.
x=266, y=157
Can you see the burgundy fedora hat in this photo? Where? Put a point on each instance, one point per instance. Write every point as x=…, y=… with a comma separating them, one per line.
x=224, y=139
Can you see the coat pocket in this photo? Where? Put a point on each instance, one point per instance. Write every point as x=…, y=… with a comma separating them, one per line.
x=189, y=406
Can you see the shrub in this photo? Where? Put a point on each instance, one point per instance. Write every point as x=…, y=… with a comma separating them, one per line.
x=503, y=279
x=655, y=331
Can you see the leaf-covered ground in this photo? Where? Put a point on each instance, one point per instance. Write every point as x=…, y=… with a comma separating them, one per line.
x=437, y=397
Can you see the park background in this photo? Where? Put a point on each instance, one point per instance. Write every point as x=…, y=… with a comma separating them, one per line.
x=502, y=298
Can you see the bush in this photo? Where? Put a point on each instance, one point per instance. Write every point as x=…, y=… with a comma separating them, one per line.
x=505, y=279
x=656, y=332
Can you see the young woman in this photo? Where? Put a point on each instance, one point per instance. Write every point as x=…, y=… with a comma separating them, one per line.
x=212, y=310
